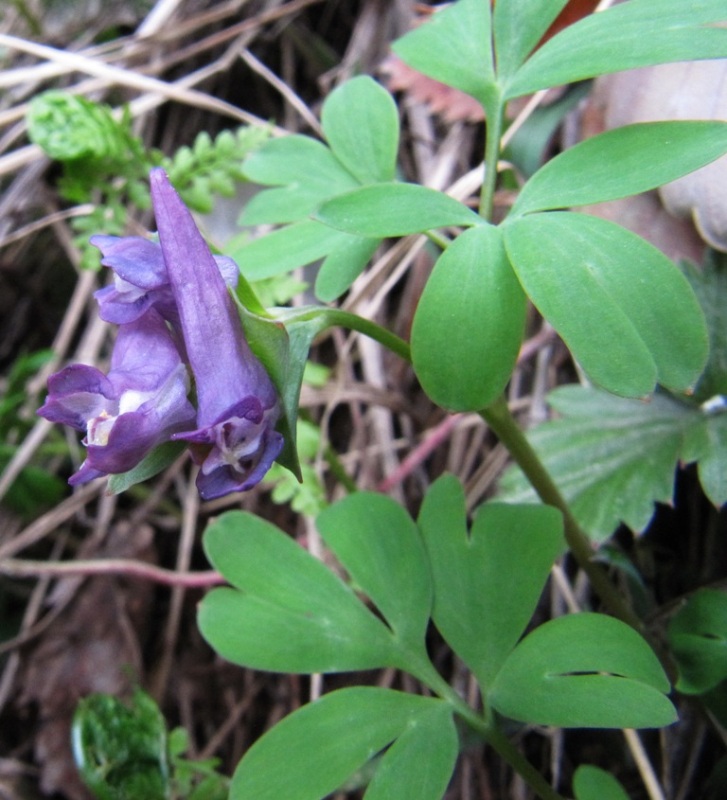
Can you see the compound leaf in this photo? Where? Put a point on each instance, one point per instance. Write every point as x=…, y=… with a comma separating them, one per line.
x=584, y=671
x=625, y=311
x=501, y=565
x=313, y=750
x=379, y=545
x=288, y=612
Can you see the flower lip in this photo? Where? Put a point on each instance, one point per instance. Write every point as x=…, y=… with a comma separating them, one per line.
x=141, y=402
x=235, y=453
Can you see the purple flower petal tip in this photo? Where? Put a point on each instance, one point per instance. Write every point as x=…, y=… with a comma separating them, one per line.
x=235, y=441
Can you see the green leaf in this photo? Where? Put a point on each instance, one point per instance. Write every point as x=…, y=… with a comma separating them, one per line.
x=709, y=283
x=622, y=162
x=282, y=205
x=290, y=247
x=121, y=749
x=612, y=458
x=454, y=47
x=382, y=210
x=312, y=751
x=624, y=310
x=361, y=123
x=518, y=27
x=469, y=323
x=287, y=612
x=584, y=671
x=304, y=164
x=487, y=584
x=629, y=35
x=378, y=544
x=420, y=763
x=712, y=455
x=342, y=266
x=68, y=127
x=698, y=638
x=152, y=464
x=594, y=783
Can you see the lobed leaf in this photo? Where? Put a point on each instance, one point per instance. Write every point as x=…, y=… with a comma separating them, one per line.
x=299, y=160
x=343, y=264
x=379, y=545
x=711, y=451
x=469, y=323
x=584, y=671
x=698, y=638
x=287, y=612
x=419, y=764
x=612, y=458
x=626, y=36
x=625, y=311
x=361, y=124
x=454, y=47
x=287, y=248
x=517, y=28
x=313, y=750
x=486, y=584
x=622, y=162
x=382, y=210
x=709, y=283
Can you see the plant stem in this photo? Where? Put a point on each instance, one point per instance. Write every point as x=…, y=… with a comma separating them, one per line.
x=487, y=729
x=380, y=334
x=495, y=112
x=339, y=471
x=502, y=422
x=509, y=753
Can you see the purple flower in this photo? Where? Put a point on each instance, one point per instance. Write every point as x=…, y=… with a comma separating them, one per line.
x=125, y=414
x=140, y=279
x=235, y=441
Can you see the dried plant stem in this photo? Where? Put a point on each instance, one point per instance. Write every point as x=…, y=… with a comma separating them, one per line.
x=646, y=770
x=122, y=567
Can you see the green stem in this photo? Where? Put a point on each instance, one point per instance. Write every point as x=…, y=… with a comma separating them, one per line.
x=495, y=112
x=438, y=239
x=502, y=422
x=355, y=323
x=486, y=729
x=509, y=753
x=339, y=471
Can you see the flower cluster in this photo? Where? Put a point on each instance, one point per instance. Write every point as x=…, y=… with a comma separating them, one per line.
x=176, y=316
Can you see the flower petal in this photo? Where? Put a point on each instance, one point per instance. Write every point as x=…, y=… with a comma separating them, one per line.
x=139, y=405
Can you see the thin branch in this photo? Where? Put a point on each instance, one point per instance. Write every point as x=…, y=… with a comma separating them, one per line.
x=123, y=567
